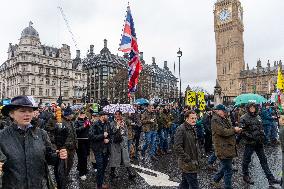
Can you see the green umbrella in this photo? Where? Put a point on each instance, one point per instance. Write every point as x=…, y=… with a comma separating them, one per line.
x=250, y=97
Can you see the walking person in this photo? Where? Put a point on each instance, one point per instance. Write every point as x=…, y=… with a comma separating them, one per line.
x=82, y=125
x=99, y=136
x=149, y=124
x=26, y=147
x=119, y=146
x=254, y=137
x=281, y=138
x=268, y=124
x=224, y=140
x=135, y=120
x=187, y=150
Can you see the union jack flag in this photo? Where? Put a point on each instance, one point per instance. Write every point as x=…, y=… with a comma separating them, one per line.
x=129, y=45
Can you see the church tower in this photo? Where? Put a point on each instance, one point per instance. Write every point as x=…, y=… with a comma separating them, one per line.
x=228, y=26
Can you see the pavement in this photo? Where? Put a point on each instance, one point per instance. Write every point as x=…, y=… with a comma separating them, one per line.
x=164, y=174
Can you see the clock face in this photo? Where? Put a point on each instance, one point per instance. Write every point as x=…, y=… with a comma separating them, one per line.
x=224, y=15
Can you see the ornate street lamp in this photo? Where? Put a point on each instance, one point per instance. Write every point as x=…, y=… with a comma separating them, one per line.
x=179, y=54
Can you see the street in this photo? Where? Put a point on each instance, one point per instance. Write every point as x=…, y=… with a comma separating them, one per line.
x=155, y=174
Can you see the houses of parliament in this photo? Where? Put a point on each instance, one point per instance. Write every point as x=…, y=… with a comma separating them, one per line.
x=233, y=76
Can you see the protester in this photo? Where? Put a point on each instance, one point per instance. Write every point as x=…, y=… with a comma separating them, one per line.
x=135, y=120
x=268, y=125
x=224, y=140
x=186, y=148
x=27, y=148
x=149, y=123
x=281, y=137
x=254, y=137
x=82, y=125
x=162, y=122
x=99, y=136
x=119, y=146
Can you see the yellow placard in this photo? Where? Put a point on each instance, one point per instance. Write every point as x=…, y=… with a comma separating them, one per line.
x=190, y=98
x=201, y=100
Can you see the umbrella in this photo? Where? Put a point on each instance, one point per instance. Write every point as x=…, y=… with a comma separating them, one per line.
x=60, y=140
x=141, y=101
x=124, y=108
x=247, y=98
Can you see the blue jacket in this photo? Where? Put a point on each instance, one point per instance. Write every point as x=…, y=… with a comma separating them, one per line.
x=266, y=116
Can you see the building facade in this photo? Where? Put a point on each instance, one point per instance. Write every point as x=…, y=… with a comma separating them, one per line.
x=41, y=71
x=261, y=80
x=107, y=78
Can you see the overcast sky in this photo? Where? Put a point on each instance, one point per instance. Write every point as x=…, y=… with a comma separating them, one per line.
x=162, y=26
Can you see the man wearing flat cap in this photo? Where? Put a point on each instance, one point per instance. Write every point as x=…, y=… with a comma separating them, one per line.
x=26, y=147
x=224, y=140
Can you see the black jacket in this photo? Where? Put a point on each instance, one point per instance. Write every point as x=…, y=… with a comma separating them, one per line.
x=96, y=136
x=252, y=129
x=26, y=153
x=81, y=131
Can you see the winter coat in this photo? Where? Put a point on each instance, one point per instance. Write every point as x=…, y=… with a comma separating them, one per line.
x=206, y=122
x=46, y=116
x=266, y=116
x=81, y=131
x=185, y=147
x=130, y=125
x=252, y=127
x=38, y=122
x=146, y=121
x=281, y=138
x=96, y=137
x=119, y=150
x=223, y=137
x=176, y=116
x=27, y=152
x=5, y=122
x=62, y=136
x=161, y=120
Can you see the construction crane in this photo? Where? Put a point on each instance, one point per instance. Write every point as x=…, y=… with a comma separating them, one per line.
x=68, y=26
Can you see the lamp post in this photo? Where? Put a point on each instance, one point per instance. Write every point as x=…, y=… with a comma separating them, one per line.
x=179, y=54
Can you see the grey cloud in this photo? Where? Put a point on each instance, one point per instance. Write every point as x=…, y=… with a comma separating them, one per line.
x=162, y=27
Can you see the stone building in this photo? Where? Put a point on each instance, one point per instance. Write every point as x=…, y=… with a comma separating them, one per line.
x=107, y=78
x=233, y=78
x=260, y=80
x=41, y=71
x=228, y=26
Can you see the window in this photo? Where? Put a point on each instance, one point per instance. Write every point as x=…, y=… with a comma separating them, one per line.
x=23, y=91
x=47, y=92
x=47, y=81
x=54, y=71
x=32, y=91
x=33, y=81
x=53, y=92
x=24, y=68
x=53, y=82
x=40, y=69
x=66, y=93
x=40, y=92
x=48, y=71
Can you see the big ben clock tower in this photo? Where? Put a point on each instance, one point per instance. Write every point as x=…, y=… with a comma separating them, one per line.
x=228, y=26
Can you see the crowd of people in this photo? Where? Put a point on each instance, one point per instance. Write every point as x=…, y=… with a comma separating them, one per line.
x=34, y=137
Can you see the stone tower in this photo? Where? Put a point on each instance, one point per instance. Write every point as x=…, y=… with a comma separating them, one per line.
x=228, y=26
